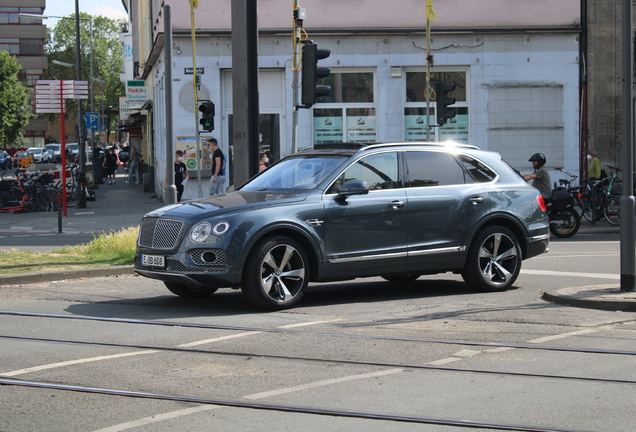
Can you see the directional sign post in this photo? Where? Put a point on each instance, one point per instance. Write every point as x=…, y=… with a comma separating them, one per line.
x=49, y=98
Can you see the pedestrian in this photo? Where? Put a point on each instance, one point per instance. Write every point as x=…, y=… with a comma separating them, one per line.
x=262, y=166
x=181, y=175
x=218, y=168
x=594, y=172
x=111, y=163
x=133, y=166
x=540, y=177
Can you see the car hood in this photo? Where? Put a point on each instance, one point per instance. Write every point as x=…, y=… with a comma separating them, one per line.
x=231, y=202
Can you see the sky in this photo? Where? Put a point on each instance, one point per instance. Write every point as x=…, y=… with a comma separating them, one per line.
x=108, y=8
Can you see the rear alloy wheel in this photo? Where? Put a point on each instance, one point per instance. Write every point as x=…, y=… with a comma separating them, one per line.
x=494, y=260
x=405, y=278
x=612, y=210
x=186, y=291
x=275, y=275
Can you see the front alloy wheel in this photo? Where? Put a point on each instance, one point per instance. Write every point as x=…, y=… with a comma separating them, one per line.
x=275, y=275
x=494, y=260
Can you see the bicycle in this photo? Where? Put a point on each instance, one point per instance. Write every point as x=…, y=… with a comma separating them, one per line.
x=611, y=201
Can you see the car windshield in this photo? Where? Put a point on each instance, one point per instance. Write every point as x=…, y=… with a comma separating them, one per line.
x=303, y=173
x=35, y=150
x=22, y=154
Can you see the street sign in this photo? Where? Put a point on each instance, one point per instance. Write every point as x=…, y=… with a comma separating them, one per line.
x=92, y=121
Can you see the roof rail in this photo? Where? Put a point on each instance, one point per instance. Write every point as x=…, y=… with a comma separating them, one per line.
x=358, y=146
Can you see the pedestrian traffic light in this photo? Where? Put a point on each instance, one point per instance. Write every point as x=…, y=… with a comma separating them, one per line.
x=207, y=116
x=443, y=112
x=311, y=74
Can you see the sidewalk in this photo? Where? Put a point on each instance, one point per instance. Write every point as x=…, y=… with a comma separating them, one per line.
x=123, y=205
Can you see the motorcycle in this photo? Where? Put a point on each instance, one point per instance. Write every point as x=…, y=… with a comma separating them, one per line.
x=564, y=220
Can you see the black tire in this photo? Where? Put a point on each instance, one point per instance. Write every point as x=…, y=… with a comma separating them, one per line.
x=405, y=278
x=564, y=223
x=275, y=273
x=493, y=261
x=186, y=291
x=588, y=211
x=612, y=210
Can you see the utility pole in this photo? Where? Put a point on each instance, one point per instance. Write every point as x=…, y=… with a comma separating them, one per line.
x=195, y=91
x=245, y=90
x=628, y=261
x=299, y=16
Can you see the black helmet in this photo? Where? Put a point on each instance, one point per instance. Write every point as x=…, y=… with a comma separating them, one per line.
x=539, y=157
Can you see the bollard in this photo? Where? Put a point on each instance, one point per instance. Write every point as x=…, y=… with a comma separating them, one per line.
x=59, y=216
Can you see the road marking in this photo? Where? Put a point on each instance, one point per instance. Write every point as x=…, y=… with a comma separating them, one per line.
x=19, y=228
x=74, y=362
x=84, y=213
x=262, y=395
x=444, y=361
x=244, y=334
x=323, y=383
x=561, y=336
x=572, y=274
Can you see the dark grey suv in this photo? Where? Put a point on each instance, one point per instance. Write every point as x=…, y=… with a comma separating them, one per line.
x=343, y=211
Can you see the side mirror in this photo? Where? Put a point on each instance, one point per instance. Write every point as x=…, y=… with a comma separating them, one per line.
x=352, y=187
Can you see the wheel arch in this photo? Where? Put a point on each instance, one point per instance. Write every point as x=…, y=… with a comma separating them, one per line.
x=507, y=222
x=311, y=249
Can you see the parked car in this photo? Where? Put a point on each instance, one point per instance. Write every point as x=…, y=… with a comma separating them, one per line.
x=56, y=149
x=6, y=161
x=73, y=148
x=40, y=155
x=348, y=210
x=22, y=159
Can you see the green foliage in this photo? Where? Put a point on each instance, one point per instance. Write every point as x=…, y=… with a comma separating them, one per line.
x=107, y=54
x=15, y=102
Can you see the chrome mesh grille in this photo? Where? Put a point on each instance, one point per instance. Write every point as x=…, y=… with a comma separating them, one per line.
x=159, y=233
x=176, y=266
x=197, y=257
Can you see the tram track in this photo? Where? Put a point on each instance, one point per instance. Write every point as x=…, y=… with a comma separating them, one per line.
x=314, y=333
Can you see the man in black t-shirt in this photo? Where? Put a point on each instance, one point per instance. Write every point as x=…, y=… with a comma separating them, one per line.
x=217, y=182
x=180, y=174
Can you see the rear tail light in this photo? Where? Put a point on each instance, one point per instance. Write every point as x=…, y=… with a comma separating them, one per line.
x=541, y=202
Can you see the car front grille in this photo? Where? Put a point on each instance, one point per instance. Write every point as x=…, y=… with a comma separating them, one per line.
x=158, y=233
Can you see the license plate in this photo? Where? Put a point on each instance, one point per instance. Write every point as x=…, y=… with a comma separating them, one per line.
x=153, y=261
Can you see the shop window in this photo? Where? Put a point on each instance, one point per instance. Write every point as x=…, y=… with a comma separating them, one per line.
x=415, y=111
x=348, y=113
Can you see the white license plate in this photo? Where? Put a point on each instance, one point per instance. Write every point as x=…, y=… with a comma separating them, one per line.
x=153, y=260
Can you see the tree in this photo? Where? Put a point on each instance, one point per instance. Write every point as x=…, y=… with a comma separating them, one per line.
x=107, y=60
x=15, y=103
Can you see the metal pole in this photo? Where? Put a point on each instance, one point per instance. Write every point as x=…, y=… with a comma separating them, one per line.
x=170, y=193
x=92, y=89
x=195, y=92
x=628, y=267
x=294, y=68
x=82, y=145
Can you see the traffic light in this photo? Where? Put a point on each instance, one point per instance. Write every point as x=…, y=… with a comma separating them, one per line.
x=443, y=112
x=311, y=73
x=207, y=116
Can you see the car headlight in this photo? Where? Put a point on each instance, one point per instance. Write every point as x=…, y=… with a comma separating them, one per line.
x=200, y=232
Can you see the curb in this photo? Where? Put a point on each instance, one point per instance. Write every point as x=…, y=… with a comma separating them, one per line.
x=56, y=275
x=600, y=297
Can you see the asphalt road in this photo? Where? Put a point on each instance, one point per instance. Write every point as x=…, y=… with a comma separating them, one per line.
x=357, y=356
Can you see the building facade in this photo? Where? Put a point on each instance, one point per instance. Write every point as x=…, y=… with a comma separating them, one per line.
x=25, y=38
x=515, y=68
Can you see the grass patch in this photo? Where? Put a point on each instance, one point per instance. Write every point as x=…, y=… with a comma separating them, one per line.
x=108, y=249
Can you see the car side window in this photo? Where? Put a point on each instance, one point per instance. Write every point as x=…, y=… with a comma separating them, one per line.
x=477, y=170
x=427, y=168
x=380, y=171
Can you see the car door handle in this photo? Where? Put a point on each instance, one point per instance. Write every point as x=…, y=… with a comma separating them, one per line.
x=396, y=204
x=476, y=200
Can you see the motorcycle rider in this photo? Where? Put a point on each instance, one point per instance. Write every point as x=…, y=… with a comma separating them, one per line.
x=540, y=177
